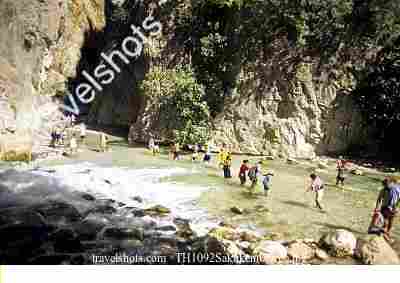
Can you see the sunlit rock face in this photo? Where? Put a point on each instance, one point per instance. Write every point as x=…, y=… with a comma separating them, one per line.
x=39, y=52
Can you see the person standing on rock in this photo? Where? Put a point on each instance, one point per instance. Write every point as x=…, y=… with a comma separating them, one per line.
x=317, y=186
x=242, y=172
x=387, y=205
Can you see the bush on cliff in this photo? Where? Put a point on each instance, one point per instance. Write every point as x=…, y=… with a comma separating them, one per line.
x=183, y=110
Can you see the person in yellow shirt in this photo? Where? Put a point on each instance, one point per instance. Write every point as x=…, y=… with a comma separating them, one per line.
x=227, y=165
x=222, y=155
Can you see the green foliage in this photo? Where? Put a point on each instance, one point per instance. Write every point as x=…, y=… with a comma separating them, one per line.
x=378, y=95
x=182, y=108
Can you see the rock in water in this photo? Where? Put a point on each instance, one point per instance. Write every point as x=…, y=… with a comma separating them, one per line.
x=55, y=211
x=237, y=210
x=322, y=165
x=292, y=161
x=374, y=249
x=339, y=242
x=357, y=172
x=157, y=210
x=225, y=233
x=300, y=251
x=321, y=254
x=124, y=233
x=221, y=246
x=249, y=236
x=138, y=199
x=271, y=252
x=66, y=241
x=88, y=197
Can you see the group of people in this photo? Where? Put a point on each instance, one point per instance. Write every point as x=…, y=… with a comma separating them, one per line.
x=58, y=137
x=386, y=206
x=254, y=173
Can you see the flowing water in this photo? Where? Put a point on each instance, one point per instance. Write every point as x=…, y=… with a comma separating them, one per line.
x=198, y=192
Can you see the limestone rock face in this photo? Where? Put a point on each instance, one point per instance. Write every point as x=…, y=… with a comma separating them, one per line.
x=39, y=51
x=299, y=118
x=375, y=250
x=299, y=122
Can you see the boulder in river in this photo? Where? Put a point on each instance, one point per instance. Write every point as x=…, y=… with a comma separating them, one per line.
x=300, y=251
x=270, y=252
x=57, y=211
x=121, y=233
x=357, y=172
x=226, y=233
x=374, y=249
x=321, y=254
x=221, y=247
x=236, y=210
x=66, y=241
x=249, y=236
x=157, y=210
x=138, y=199
x=340, y=242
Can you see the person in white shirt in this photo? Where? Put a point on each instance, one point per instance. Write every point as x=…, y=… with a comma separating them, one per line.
x=317, y=186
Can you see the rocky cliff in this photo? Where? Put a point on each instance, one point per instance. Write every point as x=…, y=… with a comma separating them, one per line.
x=47, y=44
x=39, y=52
x=300, y=118
x=279, y=111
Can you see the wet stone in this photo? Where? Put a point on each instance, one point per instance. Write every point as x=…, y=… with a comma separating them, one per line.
x=104, y=209
x=66, y=241
x=20, y=242
x=54, y=211
x=157, y=210
x=15, y=217
x=123, y=233
x=138, y=199
x=89, y=228
x=88, y=197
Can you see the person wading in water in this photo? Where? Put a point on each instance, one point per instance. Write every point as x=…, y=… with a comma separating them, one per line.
x=341, y=167
x=387, y=205
x=242, y=172
x=254, y=174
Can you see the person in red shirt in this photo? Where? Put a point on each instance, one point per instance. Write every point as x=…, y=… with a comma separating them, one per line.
x=242, y=172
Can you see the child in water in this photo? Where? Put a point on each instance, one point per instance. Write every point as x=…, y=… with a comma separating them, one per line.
x=267, y=181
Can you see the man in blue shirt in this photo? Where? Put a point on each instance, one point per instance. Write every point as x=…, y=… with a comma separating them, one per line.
x=387, y=204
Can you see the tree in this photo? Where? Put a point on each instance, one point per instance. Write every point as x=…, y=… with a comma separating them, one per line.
x=183, y=111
